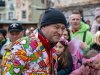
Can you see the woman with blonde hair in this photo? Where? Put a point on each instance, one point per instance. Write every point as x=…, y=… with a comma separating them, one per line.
x=96, y=41
x=96, y=38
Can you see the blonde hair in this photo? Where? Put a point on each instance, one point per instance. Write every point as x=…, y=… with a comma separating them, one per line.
x=96, y=38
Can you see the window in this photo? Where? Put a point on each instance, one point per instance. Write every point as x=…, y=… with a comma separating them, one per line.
x=23, y=14
x=10, y=15
x=43, y=1
x=2, y=16
x=11, y=7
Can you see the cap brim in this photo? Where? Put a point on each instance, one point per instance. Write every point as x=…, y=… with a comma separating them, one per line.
x=15, y=30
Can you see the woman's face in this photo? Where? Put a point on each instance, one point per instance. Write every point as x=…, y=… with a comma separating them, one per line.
x=65, y=34
x=98, y=19
x=59, y=48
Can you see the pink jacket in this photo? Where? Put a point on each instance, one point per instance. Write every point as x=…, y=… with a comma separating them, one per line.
x=86, y=70
x=95, y=27
x=76, y=52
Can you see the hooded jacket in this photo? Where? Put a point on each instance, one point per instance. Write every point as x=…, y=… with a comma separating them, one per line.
x=92, y=68
x=31, y=56
x=80, y=33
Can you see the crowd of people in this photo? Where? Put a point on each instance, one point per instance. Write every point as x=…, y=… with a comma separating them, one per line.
x=56, y=47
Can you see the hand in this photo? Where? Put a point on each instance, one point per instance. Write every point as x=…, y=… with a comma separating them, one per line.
x=83, y=45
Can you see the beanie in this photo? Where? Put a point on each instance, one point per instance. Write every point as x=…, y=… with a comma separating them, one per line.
x=3, y=32
x=52, y=16
x=97, y=12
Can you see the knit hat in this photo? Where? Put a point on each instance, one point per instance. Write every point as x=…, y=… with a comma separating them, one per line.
x=52, y=16
x=97, y=12
x=15, y=27
x=3, y=32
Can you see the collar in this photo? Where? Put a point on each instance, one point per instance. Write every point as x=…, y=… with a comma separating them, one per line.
x=49, y=50
x=44, y=40
x=73, y=30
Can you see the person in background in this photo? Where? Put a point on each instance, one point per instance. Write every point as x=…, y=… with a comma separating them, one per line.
x=66, y=34
x=96, y=24
x=15, y=31
x=96, y=41
x=91, y=64
x=35, y=54
x=80, y=29
x=89, y=23
x=27, y=32
x=3, y=41
x=65, y=63
x=31, y=29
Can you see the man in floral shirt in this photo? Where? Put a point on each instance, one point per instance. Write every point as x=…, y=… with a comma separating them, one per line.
x=34, y=55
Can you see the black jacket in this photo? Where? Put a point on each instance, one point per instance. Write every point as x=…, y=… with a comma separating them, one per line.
x=68, y=69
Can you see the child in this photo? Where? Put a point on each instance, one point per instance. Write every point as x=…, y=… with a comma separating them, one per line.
x=91, y=65
x=65, y=64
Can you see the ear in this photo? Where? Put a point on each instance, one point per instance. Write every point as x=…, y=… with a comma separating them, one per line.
x=43, y=28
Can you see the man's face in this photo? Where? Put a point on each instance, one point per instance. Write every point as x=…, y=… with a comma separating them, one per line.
x=1, y=37
x=15, y=35
x=53, y=32
x=75, y=20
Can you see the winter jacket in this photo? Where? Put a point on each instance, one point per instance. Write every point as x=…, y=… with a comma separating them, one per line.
x=95, y=27
x=92, y=68
x=31, y=56
x=68, y=69
x=80, y=33
x=83, y=71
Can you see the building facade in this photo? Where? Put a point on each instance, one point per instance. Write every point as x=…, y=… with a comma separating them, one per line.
x=26, y=12
x=86, y=6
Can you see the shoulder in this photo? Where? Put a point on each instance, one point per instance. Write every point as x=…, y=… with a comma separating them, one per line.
x=24, y=41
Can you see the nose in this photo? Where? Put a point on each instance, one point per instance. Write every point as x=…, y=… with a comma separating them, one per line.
x=60, y=31
x=56, y=48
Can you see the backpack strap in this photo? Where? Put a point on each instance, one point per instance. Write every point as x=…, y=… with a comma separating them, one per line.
x=84, y=36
